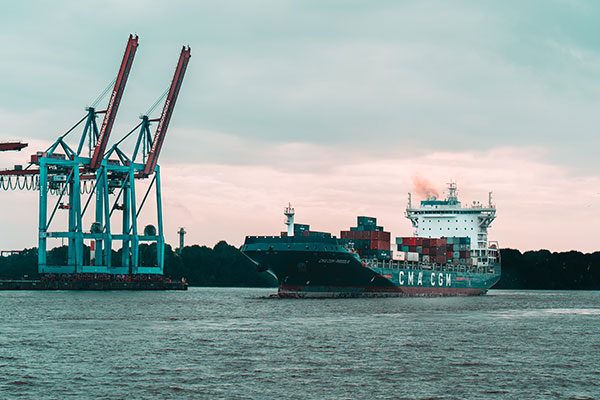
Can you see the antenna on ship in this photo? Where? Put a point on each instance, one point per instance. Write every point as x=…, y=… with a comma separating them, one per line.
x=289, y=213
x=491, y=206
x=452, y=198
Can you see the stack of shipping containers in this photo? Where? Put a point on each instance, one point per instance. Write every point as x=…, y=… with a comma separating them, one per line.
x=368, y=239
x=451, y=250
x=304, y=230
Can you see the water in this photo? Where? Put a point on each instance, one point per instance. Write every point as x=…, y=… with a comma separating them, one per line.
x=233, y=344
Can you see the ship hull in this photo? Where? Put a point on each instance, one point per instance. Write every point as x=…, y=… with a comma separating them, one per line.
x=310, y=273
x=299, y=291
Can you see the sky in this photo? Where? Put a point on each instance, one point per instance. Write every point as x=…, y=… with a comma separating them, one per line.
x=338, y=107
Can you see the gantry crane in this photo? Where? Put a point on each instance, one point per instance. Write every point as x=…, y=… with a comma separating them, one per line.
x=67, y=174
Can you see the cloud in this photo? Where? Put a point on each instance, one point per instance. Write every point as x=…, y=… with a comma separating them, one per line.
x=225, y=201
x=334, y=106
x=537, y=202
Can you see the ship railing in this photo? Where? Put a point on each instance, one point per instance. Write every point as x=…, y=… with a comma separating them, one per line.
x=416, y=265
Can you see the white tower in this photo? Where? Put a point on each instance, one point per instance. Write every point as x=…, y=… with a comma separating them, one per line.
x=181, y=233
x=289, y=213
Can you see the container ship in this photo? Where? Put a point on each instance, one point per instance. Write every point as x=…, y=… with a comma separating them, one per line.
x=449, y=254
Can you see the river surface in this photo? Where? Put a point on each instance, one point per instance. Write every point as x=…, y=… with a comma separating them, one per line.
x=235, y=344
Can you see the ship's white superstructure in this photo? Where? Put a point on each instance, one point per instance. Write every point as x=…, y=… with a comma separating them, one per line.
x=448, y=218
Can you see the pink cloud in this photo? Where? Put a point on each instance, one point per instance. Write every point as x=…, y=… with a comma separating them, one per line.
x=540, y=205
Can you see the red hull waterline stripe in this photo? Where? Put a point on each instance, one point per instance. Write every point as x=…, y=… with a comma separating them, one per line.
x=297, y=291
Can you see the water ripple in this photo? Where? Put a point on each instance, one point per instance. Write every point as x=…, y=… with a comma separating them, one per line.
x=233, y=344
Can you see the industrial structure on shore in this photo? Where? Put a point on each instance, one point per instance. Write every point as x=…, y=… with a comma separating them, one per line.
x=90, y=181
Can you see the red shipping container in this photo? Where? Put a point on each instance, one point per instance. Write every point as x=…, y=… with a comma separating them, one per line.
x=305, y=233
x=450, y=254
x=419, y=241
x=380, y=245
x=426, y=251
x=380, y=235
x=440, y=260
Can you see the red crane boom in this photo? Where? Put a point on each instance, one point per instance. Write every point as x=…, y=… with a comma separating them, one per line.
x=165, y=118
x=113, y=104
x=8, y=146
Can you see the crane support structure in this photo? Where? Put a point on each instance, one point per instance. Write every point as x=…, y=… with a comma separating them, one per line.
x=167, y=112
x=115, y=101
x=98, y=191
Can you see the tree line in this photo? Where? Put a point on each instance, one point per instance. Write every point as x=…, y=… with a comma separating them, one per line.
x=225, y=265
x=542, y=269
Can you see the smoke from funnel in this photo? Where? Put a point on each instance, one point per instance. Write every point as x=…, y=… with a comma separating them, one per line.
x=423, y=188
